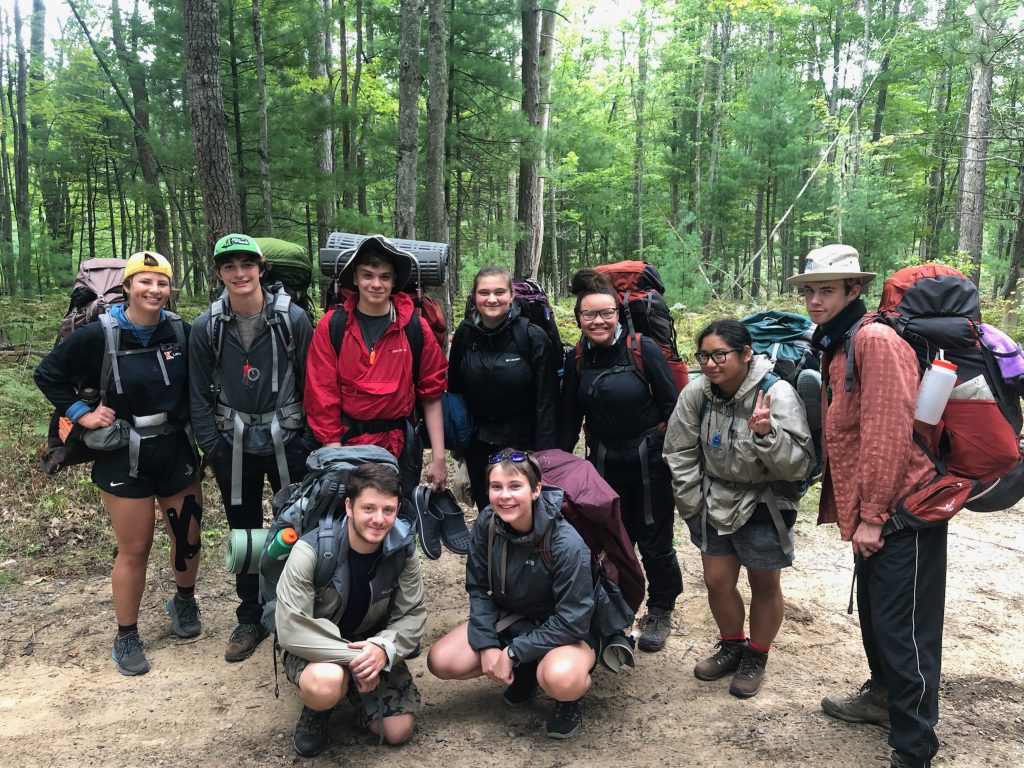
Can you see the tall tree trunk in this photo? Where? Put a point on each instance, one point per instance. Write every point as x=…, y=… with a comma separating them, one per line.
x=1009, y=289
x=755, y=271
x=261, y=107
x=209, y=123
x=8, y=269
x=698, y=136
x=320, y=72
x=639, y=101
x=236, y=114
x=140, y=127
x=53, y=209
x=437, y=114
x=708, y=238
x=527, y=260
x=408, y=119
x=883, y=76
x=545, y=63
x=21, y=203
x=346, y=116
x=972, y=194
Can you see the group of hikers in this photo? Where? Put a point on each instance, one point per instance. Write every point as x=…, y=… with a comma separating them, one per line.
x=257, y=389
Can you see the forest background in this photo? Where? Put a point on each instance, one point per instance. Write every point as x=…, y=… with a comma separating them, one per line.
x=719, y=140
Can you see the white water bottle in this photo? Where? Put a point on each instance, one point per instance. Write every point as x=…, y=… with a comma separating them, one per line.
x=933, y=394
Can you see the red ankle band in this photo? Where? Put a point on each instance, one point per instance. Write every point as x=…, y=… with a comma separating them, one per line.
x=733, y=638
x=759, y=648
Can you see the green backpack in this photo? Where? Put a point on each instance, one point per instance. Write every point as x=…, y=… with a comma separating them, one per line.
x=289, y=265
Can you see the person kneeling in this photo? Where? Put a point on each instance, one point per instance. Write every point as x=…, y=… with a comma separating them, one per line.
x=352, y=639
x=530, y=597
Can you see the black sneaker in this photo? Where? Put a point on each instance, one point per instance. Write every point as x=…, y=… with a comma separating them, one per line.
x=310, y=735
x=184, y=616
x=566, y=721
x=129, y=656
x=722, y=662
x=243, y=641
x=524, y=685
x=655, y=628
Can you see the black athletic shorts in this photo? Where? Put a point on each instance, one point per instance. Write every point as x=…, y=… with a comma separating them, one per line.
x=167, y=466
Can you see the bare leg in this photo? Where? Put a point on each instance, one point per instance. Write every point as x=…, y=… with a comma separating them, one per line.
x=721, y=573
x=133, y=521
x=452, y=658
x=766, y=604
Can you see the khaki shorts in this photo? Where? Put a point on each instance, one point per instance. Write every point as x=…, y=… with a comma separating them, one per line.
x=396, y=693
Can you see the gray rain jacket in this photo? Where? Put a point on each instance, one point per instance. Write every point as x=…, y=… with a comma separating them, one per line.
x=556, y=603
x=307, y=623
x=728, y=482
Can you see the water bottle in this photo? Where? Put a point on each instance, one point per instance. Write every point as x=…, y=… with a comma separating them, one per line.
x=933, y=394
x=282, y=543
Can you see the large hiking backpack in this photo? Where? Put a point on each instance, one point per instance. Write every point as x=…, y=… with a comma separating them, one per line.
x=975, y=447
x=290, y=265
x=785, y=339
x=317, y=503
x=97, y=287
x=642, y=303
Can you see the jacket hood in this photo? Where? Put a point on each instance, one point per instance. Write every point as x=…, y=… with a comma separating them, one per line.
x=760, y=367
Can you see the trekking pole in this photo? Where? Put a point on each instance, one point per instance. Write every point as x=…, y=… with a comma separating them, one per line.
x=853, y=584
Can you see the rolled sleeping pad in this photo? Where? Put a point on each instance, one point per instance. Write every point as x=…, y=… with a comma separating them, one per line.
x=431, y=258
x=245, y=547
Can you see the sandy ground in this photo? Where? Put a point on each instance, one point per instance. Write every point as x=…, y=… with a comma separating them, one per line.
x=62, y=701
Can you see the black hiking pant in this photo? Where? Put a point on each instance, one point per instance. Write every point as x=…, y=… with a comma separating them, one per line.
x=901, y=596
x=652, y=538
x=249, y=514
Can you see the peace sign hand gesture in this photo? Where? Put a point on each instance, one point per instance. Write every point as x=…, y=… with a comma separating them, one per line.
x=761, y=419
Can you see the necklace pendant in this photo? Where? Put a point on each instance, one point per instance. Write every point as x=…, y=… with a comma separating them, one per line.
x=716, y=440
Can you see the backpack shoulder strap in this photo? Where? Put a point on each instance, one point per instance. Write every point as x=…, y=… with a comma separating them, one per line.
x=112, y=337
x=849, y=348
x=545, y=548
x=521, y=336
x=336, y=328
x=633, y=343
x=769, y=381
x=328, y=547
x=279, y=319
x=490, y=553
x=414, y=334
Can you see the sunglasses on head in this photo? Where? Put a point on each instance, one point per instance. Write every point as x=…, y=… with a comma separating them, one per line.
x=516, y=457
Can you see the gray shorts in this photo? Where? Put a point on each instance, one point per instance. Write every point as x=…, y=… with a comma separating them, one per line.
x=397, y=692
x=756, y=544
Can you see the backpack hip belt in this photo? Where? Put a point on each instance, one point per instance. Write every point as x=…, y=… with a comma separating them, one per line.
x=291, y=417
x=357, y=427
x=768, y=498
x=598, y=450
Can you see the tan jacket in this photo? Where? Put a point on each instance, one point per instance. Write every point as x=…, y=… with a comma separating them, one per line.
x=307, y=624
x=729, y=481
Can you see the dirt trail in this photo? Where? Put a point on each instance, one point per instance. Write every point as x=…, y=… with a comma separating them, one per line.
x=61, y=700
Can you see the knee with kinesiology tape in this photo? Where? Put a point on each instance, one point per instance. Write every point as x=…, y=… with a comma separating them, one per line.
x=180, y=524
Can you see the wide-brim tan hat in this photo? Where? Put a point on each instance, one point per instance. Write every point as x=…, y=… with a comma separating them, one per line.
x=832, y=262
x=401, y=260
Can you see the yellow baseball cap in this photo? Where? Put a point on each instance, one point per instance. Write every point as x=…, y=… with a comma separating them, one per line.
x=137, y=263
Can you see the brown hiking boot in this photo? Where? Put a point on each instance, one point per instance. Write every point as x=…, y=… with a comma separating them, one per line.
x=869, y=705
x=722, y=662
x=243, y=641
x=747, y=680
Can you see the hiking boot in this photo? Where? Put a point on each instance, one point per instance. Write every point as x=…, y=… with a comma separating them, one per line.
x=869, y=705
x=566, y=721
x=184, y=616
x=310, y=735
x=749, y=674
x=722, y=662
x=655, y=628
x=524, y=685
x=129, y=656
x=243, y=641
x=896, y=760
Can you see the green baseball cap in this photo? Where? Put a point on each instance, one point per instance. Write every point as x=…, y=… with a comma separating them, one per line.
x=230, y=246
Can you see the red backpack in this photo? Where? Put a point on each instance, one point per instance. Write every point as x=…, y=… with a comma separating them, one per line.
x=975, y=447
x=642, y=304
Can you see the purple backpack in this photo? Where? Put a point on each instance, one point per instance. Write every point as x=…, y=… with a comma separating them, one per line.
x=1006, y=351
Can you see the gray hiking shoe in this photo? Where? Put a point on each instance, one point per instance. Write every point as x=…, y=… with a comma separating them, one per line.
x=655, y=628
x=749, y=674
x=129, y=656
x=722, y=662
x=184, y=616
x=310, y=735
x=869, y=705
x=243, y=641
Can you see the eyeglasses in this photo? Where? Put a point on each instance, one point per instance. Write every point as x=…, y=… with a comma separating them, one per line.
x=718, y=356
x=591, y=314
x=516, y=457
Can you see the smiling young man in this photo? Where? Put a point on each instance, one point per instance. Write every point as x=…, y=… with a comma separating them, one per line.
x=246, y=377
x=353, y=637
x=870, y=462
x=373, y=360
